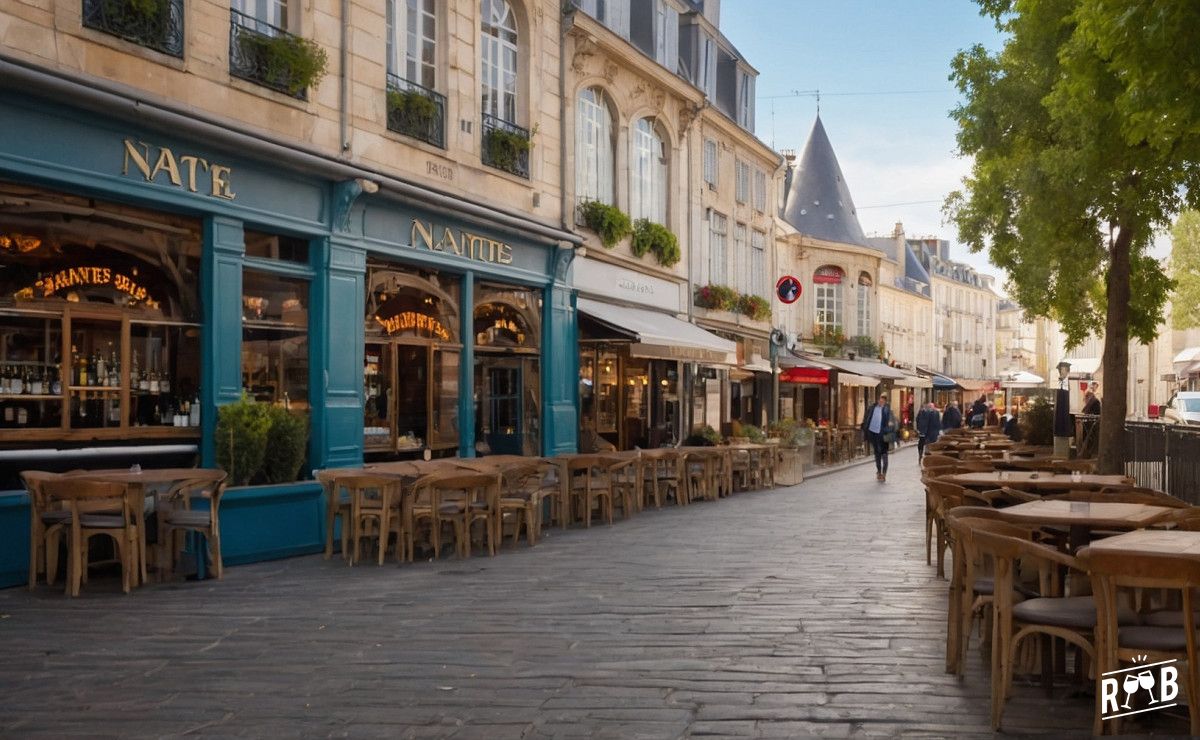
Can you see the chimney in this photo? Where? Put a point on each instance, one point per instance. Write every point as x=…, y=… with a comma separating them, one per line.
x=789, y=158
x=898, y=231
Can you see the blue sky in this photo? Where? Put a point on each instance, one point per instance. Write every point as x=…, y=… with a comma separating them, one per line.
x=893, y=148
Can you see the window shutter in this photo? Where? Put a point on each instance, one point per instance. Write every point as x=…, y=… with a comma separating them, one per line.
x=618, y=17
x=671, y=45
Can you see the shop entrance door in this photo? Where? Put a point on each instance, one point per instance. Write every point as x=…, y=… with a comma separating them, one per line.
x=504, y=409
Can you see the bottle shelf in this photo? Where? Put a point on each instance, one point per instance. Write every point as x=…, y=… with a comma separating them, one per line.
x=95, y=388
x=30, y=397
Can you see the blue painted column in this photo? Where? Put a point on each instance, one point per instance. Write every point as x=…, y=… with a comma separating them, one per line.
x=466, y=369
x=560, y=361
x=336, y=337
x=221, y=335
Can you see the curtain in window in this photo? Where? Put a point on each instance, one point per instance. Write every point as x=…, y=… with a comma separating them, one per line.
x=593, y=147
x=498, y=60
x=647, y=174
x=717, y=229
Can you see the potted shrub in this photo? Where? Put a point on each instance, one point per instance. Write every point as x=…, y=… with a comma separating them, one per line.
x=284, y=62
x=260, y=442
x=704, y=436
x=755, y=307
x=609, y=222
x=287, y=445
x=508, y=150
x=411, y=111
x=796, y=444
x=656, y=238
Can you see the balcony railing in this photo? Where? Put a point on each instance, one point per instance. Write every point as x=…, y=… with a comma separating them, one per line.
x=155, y=24
x=505, y=146
x=416, y=111
x=254, y=55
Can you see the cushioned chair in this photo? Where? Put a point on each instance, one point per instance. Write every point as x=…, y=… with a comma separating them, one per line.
x=1164, y=636
x=177, y=514
x=96, y=508
x=47, y=522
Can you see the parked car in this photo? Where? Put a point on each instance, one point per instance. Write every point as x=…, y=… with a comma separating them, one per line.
x=1183, y=408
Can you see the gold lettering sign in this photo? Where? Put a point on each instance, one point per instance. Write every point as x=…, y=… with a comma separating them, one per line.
x=166, y=164
x=413, y=321
x=82, y=276
x=461, y=243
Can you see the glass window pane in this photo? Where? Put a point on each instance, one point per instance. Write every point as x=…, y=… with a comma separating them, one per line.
x=275, y=339
x=30, y=362
x=445, y=397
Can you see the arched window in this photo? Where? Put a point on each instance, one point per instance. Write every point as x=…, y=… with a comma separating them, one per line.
x=593, y=147
x=498, y=59
x=864, y=305
x=827, y=289
x=647, y=173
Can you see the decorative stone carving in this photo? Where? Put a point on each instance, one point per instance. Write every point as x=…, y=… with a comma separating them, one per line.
x=610, y=71
x=585, y=49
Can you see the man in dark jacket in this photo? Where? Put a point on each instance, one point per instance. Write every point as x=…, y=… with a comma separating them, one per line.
x=951, y=417
x=879, y=428
x=978, y=415
x=929, y=427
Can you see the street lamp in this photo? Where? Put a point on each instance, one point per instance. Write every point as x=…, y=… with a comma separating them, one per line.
x=1062, y=412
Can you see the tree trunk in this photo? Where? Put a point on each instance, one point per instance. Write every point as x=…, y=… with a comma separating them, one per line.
x=1116, y=357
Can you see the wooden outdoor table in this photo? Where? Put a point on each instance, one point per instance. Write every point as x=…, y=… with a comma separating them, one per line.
x=1152, y=542
x=1080, y=517
x=136, y=483
x=1037, y=482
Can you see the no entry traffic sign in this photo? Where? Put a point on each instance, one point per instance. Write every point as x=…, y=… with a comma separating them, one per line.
x=788, y=289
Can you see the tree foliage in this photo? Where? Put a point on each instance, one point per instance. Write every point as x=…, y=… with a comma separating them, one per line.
x=1085, y=130
x=1185, y=270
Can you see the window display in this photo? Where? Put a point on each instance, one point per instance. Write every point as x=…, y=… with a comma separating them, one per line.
x=98, y=325
x=275, y=339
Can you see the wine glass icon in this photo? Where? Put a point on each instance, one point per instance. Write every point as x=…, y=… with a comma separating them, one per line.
x=1130, y=684
x=1146, y=681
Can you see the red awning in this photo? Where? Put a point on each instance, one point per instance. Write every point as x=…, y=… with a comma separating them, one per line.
x=811, y=375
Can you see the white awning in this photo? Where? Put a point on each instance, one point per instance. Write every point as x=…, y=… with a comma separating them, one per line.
x=661, y=336
x=1082, y=367
x=864, y=367
x=1188, y=356
x=863, y=381
x=914, y=381
x=1021, y=379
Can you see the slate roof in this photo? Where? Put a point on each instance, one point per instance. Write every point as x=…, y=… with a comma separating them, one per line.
x=818, y=200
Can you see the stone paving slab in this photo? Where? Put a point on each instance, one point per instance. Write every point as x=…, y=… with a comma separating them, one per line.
x=805, y=611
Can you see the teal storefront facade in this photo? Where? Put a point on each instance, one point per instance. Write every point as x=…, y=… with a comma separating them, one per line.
x=347, y=223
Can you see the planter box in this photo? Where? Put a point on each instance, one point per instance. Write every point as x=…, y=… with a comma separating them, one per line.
x=792, y=462
x=271, y=522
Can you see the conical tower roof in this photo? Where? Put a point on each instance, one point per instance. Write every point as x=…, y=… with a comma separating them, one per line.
x=818, y=200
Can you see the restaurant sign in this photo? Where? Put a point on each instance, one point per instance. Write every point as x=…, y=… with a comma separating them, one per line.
x=85, y=276
x=416, y=322
x=460, y=242
x=152, y=161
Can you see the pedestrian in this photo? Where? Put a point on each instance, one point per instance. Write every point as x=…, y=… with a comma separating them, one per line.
x=993, y=416
x=951, y=417
x=879, y=428
x=978, y=415
x=929, y=427
x=1012, y=428
x=1091, y=403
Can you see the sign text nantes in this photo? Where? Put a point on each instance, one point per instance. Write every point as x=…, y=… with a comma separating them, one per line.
x=460, y=242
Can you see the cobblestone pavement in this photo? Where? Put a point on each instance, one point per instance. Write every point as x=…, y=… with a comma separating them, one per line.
x=795, y=612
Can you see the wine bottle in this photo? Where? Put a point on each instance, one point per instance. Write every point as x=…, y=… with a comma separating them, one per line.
x=16, y=385
x=35, y=387
x=55, y=383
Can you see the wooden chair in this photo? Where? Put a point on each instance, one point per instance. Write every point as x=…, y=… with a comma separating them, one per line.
x=96, y=508
x=337, y=504
x=176, y=516
x=932, y=459
x=701, y=471
x=375, y=512
x=590, y=486
x=942, y=496
x=523, y=489
x=625, y=480
x=47, y=522
x=972, y=582
x=461, y=500
x=1070, y=618
x=1116, y=642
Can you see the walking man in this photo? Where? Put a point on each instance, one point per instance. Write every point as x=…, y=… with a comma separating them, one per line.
x=929, y=427
x=879, y=427
x=951, y=417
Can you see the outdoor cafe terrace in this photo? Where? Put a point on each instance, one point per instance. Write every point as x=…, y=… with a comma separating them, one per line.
x=752, y=611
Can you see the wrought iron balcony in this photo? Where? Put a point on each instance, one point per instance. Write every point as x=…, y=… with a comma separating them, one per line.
x=155, y=24
x=416, y=111
x=257, y=53
x=505, y=146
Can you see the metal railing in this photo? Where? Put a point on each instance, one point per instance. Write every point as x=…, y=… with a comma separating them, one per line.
x=251, y=56
x=416, y=111
x=505, y=146
x=1165, y=457
x=155, y=24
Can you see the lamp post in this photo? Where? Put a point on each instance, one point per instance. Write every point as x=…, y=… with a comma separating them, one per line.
x=1062, y=413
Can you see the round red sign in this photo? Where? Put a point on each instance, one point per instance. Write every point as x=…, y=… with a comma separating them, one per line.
x=788, y=289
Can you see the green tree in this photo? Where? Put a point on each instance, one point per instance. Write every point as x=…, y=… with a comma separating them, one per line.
x=1185, y=270
x=1085, y=130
